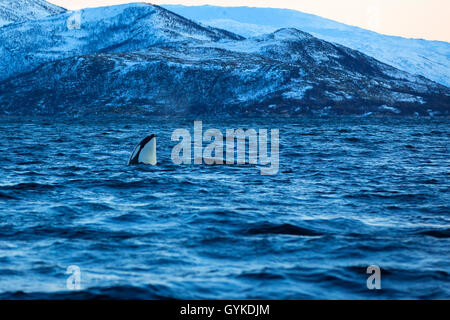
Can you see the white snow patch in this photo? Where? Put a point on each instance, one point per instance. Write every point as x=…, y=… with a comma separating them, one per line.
x=388, y=108
x=299, y=93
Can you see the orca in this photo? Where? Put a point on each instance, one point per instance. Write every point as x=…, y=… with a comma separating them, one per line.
x=145, y=152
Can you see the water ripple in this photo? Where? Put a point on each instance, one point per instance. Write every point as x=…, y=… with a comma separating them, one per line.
x=350, y=193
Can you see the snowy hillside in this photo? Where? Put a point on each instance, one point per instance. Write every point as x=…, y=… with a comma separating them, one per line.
x=107, y=29
x=12, y=11
x=427, y=58
x=141, y=58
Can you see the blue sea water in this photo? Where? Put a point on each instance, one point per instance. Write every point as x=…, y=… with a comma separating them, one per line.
x=351, y=192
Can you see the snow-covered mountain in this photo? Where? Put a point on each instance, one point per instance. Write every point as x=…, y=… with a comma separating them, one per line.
x=106, y=29
x=141, y=58
x=12, y=11
x=427, y=58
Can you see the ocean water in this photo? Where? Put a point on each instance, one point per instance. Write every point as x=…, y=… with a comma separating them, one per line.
x=351, y=192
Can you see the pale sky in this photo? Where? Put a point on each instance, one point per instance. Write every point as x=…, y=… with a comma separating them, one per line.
x=427, y=19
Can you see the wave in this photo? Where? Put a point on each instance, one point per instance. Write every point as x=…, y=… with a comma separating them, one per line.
x=7, y=196
x=441, y=234
x=30, y=186
x=283, y=229
x=150, y=292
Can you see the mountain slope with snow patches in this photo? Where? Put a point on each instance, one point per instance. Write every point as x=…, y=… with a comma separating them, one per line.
x=430, y=59
x=144, y=59
x=106, y=29
x=12, y=11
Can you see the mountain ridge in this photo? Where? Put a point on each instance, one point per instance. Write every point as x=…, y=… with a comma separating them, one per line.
x=103, y=29
x=427, y=58
x=143, y=59
x=14, y=12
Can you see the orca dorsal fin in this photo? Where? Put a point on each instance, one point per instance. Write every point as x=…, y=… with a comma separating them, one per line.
x=145, y=152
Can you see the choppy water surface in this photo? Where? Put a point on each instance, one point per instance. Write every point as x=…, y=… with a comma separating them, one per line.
x=351, y=192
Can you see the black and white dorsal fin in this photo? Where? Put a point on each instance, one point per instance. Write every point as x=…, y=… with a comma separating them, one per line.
x=145, y=152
